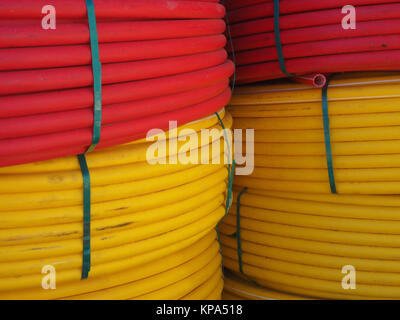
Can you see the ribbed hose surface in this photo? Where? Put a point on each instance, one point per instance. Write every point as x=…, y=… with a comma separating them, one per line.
x=152, y=226
x=161, y=60
x=312, y=36
x=289, y=135
x=296, y=236
x=240, y=288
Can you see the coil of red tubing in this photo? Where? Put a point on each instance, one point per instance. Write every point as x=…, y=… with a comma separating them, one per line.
x=162, y=60
x=312, y=36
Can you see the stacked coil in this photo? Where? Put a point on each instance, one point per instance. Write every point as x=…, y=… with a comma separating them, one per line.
x=287, y=231
x=152, y=229
x=313, y=37
x=161, y=60
x=240, y=288
x=290, y=142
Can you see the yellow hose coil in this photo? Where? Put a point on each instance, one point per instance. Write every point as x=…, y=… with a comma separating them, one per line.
x=300, y=246
x=290, y=151
x=296, y=237
x=239, y=288
x=152, y=226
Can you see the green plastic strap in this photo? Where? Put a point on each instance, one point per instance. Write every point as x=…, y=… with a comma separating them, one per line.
x=328, y=147
x=278, y=39
x=97, y=118
x=231, y=168
x=86, y=216
x=96, y=66
x=231, y=173
x=238, y=236
x=229, y=198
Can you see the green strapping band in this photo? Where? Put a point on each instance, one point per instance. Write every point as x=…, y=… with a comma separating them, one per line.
x=96, y=66
x=97, y=118
x=327, y=135
x=231, y=169
x=238, y=237
x=86, y=260
x=278, y=42
x=229, y=198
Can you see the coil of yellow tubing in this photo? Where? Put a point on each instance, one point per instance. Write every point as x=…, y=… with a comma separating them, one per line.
x=364, y=115
x=152, y=225
x=237, y=287
x=300, y=243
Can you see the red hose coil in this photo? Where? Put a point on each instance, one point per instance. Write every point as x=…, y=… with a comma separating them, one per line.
x=162, y=60
x=313, y=39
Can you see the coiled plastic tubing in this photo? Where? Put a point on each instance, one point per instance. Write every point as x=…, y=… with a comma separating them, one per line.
x=240, y=288
x=152, y=229
x=300, y=243
x=290, y=144
x=287, y=232
x=316, y=37
x=160, y=60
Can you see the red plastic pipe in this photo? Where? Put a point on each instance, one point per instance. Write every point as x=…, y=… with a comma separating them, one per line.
x=83, y=118
x=320, y=48
x=143, y=9
x=78, y=55
x=153, y=72
x=235, y=4
x=317, y=80
x=315, y=18
x=125, y=130
x=17, y=82
x=364, y=29
x=53, y=101
x=264, y=10
x=32, y=35
x=371, y=61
